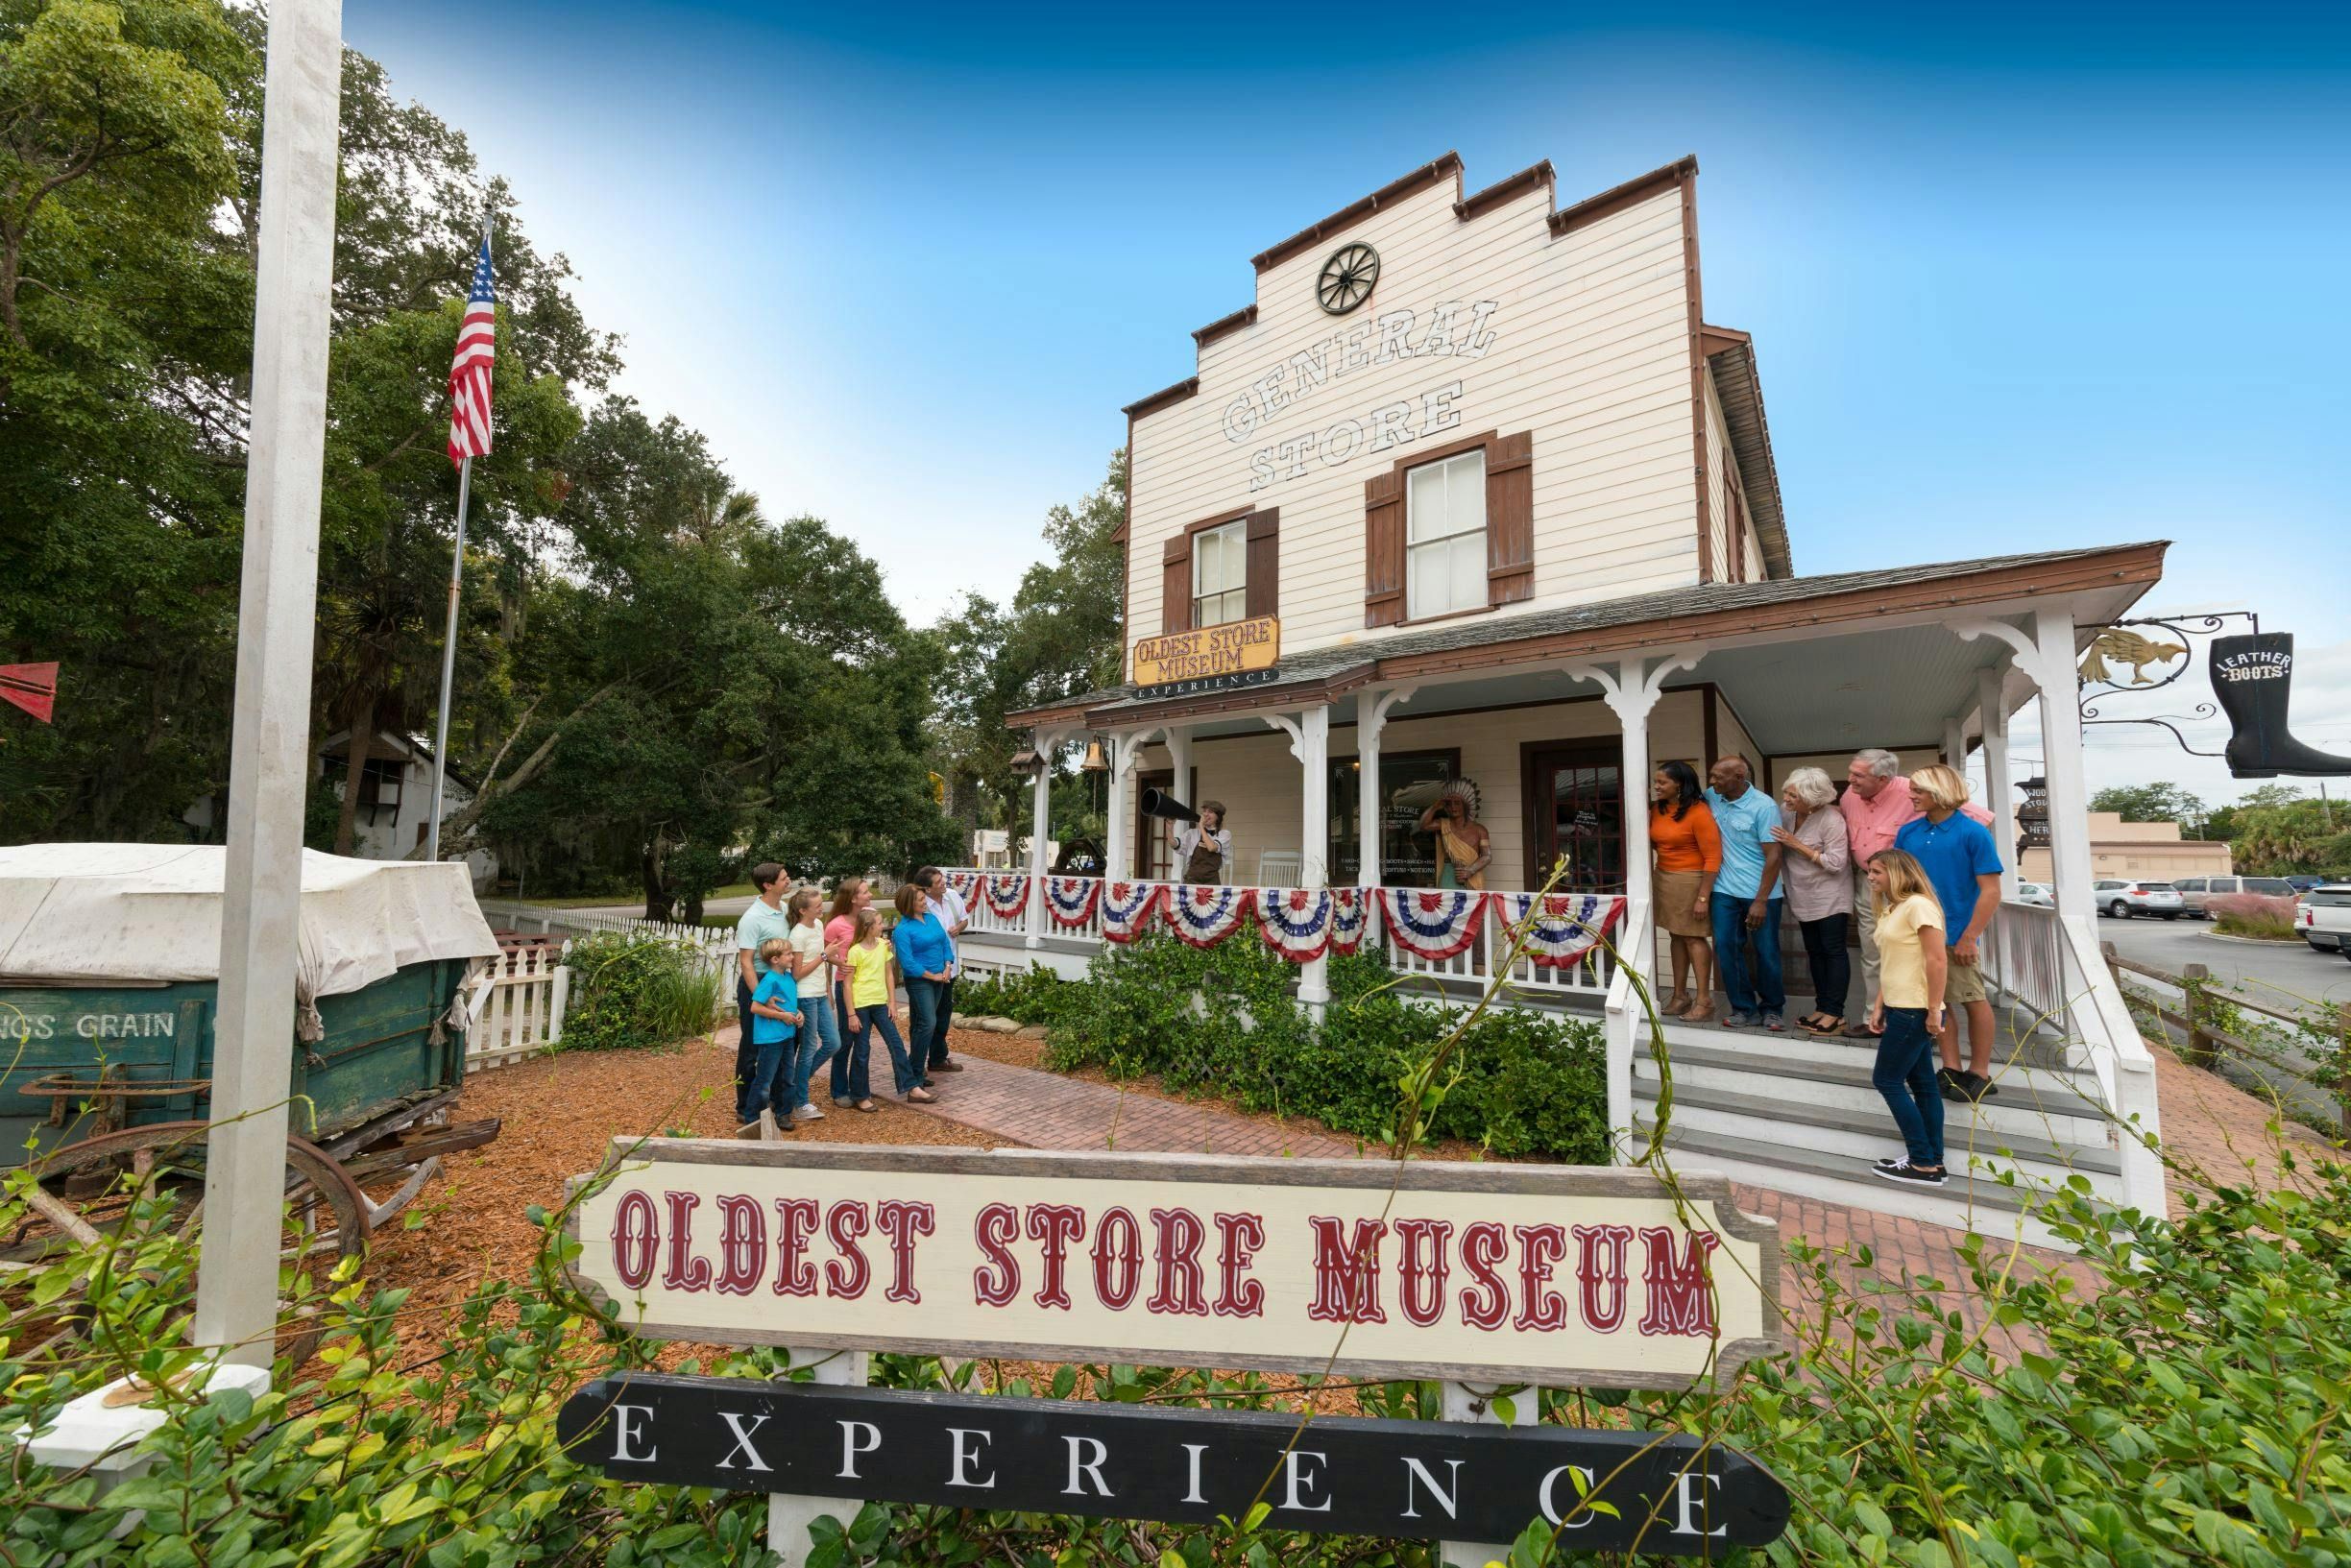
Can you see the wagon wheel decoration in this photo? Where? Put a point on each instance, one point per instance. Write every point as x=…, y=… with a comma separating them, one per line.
x=143, y=1182
x=1347, y=278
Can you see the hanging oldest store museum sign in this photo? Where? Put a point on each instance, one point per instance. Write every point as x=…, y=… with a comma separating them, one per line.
x=1213, y=658
x=1478, y=1273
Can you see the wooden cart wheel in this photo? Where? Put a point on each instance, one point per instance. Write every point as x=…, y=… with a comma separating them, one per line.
x=90, y=1189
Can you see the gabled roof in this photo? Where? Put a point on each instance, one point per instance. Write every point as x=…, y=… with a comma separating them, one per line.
x=1731, y=354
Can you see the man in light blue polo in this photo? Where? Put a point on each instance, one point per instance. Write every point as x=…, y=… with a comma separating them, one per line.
x=1746, y=897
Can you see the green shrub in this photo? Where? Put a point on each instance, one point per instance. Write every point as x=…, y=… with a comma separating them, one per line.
x=1032, y=995
x=1225, y=1021
x=631, y=990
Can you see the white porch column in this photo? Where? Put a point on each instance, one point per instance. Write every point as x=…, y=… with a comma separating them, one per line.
x=1039, y=821
x=2068, y=790
x=2002, y=802
x=1180, y=763
x=1314, y=844
x=1372, y=709
x=1632, y=689
x=1126, y=751
x=236, y=1279
x=1954, y=744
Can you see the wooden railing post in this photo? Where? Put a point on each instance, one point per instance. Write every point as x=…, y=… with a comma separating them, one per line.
x=2200, y=1051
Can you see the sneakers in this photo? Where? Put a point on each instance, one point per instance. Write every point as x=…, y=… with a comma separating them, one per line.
x=949, y=1066
x=1949, y=1081
x=808, y=1113
x=1774, y=1022
x=1741, y=1020
x=1904, y=1172
x=1962, y=1087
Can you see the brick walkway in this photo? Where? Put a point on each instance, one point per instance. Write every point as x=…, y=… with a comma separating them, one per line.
x=1045, y=1110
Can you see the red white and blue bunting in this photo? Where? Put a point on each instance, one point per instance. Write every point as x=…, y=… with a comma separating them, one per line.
x=1297, y=921
x=1561, y=927
x=1204, y=914
x=1351, y=918
x=1071, y=900
x=1007, y=893
x=1127, y=909
x=1431, y=925
x=966, y=885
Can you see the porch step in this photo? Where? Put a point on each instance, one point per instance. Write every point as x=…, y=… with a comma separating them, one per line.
x=2059, y=1117
x=2046, y=1091
x=1868, y=1134
x=1968, y=1202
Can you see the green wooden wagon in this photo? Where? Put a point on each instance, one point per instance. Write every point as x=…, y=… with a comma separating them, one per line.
x=106, y=1073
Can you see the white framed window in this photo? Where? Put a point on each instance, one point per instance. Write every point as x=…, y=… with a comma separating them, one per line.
x=1445, y=536
x=1220, y=574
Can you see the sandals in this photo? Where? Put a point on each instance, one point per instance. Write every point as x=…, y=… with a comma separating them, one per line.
x=1677, y=1005
x=1824, y=1024
x=1700, y=1011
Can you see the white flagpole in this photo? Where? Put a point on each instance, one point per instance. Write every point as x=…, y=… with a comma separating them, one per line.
x=449, y=643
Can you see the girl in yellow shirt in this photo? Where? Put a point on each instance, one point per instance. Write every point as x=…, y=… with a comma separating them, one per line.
x=872, y=966
x=1912, y=966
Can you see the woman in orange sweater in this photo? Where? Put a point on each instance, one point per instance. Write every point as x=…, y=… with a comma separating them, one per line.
x=1688, y=854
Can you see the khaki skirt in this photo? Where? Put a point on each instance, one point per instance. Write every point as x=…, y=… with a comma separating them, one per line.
x=1674, y=894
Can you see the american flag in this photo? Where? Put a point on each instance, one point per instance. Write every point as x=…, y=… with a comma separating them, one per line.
x=470, y=376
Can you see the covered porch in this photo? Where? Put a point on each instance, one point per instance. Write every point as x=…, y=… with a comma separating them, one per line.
x=1558, y=717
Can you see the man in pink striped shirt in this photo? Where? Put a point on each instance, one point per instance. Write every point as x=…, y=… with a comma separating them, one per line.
x=1876, y=803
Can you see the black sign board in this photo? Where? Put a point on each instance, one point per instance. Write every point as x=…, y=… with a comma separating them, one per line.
x=1410, y=1478
x=1233, y=681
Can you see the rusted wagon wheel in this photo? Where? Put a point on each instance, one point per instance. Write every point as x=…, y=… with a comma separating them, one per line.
x=95, y=1189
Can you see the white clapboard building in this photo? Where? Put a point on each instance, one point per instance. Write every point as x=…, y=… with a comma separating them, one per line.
x=1472, y=487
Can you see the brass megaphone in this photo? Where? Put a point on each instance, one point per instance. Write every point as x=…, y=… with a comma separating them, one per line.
x=1158, y=802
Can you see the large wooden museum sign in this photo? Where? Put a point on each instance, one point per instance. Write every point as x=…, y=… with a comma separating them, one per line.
x=1212, y=659
x=1488, y=1272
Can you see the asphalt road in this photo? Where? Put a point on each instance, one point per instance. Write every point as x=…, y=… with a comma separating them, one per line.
x=2275, y=974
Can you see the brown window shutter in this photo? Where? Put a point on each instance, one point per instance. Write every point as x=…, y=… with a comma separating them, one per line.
x=1264, y=566
x=1176, y=586
x=1510, y=519
x=1384, y=549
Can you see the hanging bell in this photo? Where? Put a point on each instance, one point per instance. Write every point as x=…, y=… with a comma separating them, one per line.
x=1095, y=762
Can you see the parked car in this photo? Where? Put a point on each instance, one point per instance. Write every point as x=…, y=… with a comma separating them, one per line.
x=2193, y=891
x=2324, y=918
x=2304, y=885
x=2036, y=894
x=2125, y=899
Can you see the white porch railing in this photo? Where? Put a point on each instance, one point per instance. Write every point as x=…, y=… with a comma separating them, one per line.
x=2052, y=966
x=1589, y=974
x=515, y=1006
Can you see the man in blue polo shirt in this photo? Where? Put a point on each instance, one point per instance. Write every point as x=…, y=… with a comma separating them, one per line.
x=1747, y=898
x=1961, y=862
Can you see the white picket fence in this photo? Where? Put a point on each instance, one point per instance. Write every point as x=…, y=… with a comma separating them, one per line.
x=515, y=1006
x=514, y=1002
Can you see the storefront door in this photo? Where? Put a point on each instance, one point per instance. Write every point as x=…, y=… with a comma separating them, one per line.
x=1575, y=807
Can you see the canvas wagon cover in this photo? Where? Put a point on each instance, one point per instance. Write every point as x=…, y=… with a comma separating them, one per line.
x=112, y=913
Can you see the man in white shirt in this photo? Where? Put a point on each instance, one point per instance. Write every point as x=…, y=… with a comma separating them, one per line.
x=1203, y=850
x=954, y=915
x=764, y=919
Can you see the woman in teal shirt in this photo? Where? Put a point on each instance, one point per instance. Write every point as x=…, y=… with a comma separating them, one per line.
x=926, y=959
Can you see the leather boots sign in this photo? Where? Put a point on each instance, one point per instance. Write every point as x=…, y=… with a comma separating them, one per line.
x=2252, y=678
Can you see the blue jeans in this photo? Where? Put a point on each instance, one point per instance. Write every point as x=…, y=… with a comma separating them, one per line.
x=928, y=1010
x=769, y=1081
x=746, y=1052
x=1763, y=988
x=819, y=1044
x=904, y=1074
x=1905, y=1076
x=843, y=1088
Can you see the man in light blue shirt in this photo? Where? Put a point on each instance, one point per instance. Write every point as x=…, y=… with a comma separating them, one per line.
x=765, y=918
x=1747, y=898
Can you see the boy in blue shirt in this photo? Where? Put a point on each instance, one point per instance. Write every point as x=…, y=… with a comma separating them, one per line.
x=775, y=1020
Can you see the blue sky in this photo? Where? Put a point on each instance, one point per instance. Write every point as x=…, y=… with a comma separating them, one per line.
x=2027, y=277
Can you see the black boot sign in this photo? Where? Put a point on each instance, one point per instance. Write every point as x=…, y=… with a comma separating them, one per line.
x=2252, y=678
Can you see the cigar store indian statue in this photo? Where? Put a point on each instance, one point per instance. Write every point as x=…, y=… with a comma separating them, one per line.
x=1464, y=849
